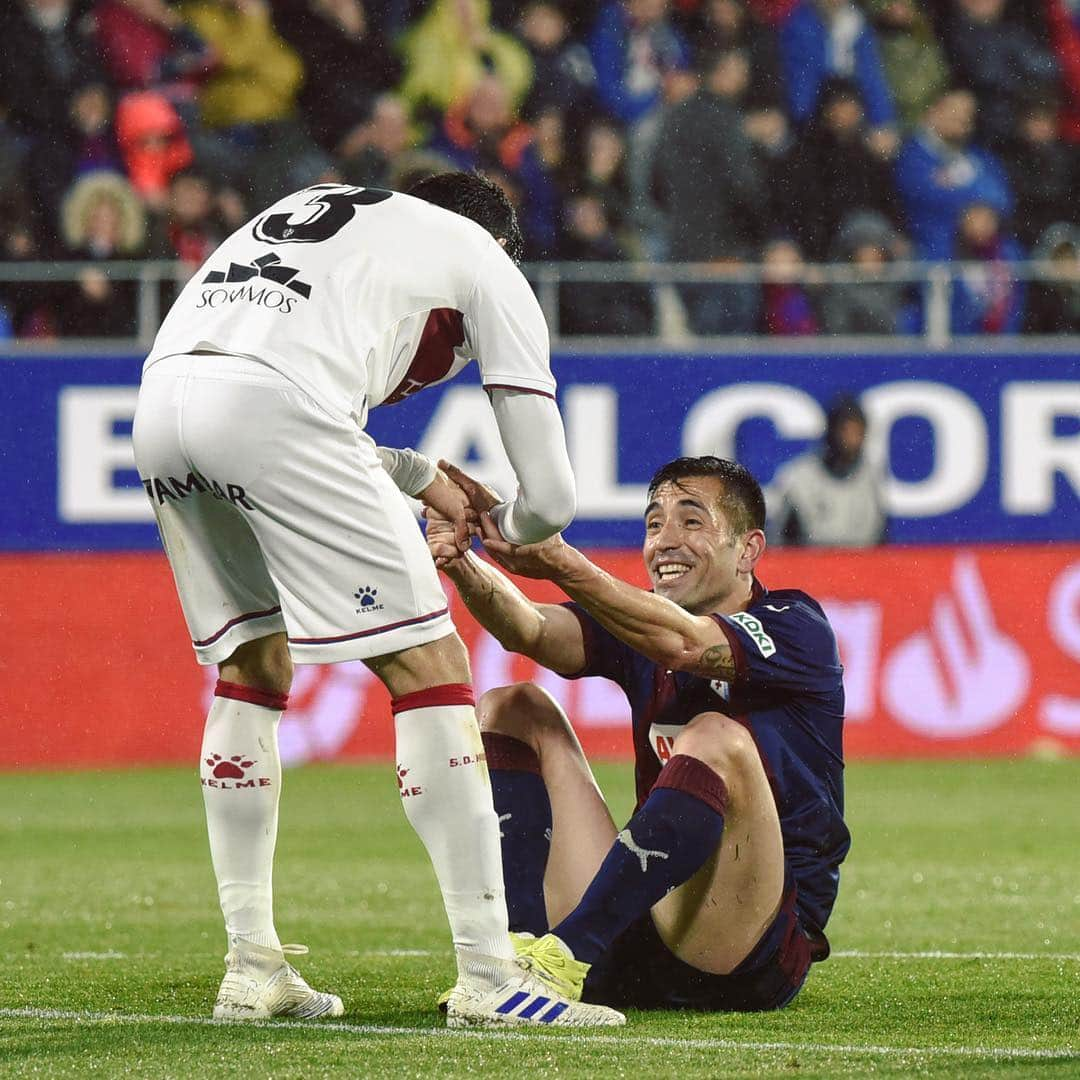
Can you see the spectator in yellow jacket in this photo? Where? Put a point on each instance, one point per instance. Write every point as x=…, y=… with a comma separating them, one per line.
x=451, y=48
x=257, y=77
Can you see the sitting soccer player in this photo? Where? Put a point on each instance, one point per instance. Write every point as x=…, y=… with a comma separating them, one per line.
x=716, y=893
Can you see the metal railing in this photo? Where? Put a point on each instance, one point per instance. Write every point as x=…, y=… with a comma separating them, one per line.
x=930, y=288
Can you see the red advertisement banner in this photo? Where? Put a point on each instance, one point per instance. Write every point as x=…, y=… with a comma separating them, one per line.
x=947, y=652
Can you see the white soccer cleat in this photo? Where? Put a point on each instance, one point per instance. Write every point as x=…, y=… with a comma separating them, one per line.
x=260, y=983
x=521, y=1000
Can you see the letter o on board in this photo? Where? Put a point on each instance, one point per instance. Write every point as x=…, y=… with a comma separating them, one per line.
x=960, y=445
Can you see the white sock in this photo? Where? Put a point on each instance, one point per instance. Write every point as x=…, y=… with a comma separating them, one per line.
x=241, y=781
x=446, y=792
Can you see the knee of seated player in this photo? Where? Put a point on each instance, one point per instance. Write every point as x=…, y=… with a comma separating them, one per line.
x=524, y=712
x=264, y=664
x=723, y=744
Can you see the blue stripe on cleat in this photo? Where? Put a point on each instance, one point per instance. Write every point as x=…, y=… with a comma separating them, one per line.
x=554, y=1012
x=512, y=1002
x=534, y=1007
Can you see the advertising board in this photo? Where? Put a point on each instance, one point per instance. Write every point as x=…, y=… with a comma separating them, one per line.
x=948, y=651
x=973, y=448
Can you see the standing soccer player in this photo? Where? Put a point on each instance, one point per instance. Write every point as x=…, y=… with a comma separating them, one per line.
x=289, y=540
x=716, y=893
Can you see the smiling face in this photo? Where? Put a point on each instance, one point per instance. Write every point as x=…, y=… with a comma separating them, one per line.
x=693, y=556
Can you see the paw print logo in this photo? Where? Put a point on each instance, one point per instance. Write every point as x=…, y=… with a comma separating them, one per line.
x=366, y=595
x=401, y=774
x=233, y=769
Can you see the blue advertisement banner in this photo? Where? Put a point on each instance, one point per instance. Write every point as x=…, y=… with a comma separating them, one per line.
x=972, y=448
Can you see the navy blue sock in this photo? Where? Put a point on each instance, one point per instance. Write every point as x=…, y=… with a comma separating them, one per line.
x=524, y=809
x=664, y=844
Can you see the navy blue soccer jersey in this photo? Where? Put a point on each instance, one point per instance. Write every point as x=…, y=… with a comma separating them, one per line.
x=788, y=692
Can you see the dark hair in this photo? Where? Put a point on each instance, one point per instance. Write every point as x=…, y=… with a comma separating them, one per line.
x=191, y=172
x=711, y=57
x=845, y=407
x=838, y=88
x=741, y=499
x=952, y=86
x=477, y=198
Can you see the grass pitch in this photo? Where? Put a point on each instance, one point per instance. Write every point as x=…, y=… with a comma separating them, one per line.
x=956, y=938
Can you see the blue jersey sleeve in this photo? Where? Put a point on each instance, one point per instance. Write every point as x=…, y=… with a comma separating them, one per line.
x=783, y=644
x=605, y=655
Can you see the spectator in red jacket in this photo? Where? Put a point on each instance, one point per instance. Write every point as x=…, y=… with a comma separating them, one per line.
x=144, y=45
x=1064, y=31
x=153, y=142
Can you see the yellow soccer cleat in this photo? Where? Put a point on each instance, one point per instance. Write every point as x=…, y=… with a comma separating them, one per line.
x=551, y=961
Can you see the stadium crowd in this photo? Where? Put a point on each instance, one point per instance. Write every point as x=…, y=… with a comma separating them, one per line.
x=728, y=132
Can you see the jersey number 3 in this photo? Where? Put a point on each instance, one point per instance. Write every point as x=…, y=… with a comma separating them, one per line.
x=334, y=207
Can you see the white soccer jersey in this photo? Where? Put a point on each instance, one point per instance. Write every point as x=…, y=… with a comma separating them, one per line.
x=361, y=297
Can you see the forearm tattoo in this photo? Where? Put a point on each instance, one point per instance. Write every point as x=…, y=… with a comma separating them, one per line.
x=717, y=662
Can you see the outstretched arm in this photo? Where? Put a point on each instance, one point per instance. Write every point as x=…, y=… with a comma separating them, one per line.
x=649, y=624
x=546, y=633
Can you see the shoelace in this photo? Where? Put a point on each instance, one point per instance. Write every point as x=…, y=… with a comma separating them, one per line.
x=295, y=950
x=548, y=957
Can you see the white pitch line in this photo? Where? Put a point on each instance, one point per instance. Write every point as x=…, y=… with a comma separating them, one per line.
x=397, y=952
x=846, y=954
x=994, y=1053
x=860, y=954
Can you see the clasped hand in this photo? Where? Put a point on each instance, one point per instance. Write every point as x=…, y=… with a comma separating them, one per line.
x=444, y=538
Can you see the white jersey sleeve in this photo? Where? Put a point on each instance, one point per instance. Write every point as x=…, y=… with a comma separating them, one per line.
x=505, y=328
x=410, y=470
x=533, y=437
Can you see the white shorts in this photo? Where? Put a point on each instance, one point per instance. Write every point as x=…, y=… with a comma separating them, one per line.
x=277, y=516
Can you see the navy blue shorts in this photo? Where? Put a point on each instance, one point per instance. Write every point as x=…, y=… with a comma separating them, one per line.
x=640, y=972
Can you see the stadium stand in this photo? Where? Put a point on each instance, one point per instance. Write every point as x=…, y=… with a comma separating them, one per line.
x=739, y=134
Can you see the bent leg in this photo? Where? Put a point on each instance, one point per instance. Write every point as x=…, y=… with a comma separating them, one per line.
x=241, y=781
x=541, y=742
x=713, y=920
x=671, y=854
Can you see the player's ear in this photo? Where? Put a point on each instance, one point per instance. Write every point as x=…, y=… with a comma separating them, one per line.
x=501, y=241
x=752, y=548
